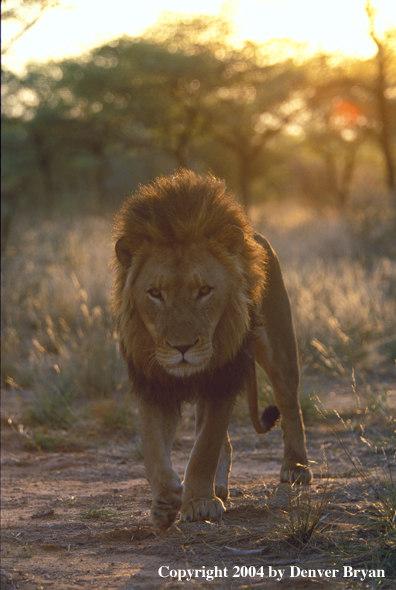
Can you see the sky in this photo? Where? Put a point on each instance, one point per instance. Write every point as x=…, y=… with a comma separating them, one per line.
x=78, y=25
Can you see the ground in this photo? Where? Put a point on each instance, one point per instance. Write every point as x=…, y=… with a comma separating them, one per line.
x=79, y=516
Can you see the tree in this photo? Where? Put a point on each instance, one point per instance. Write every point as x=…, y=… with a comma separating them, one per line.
x=24, y=14
x=385, y=53
x=253, y=104
x=239, y=99
x=184, y=91
x=181, y=89
x=337, y=121
x=342, y=114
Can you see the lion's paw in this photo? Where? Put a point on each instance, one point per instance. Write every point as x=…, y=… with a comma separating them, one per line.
x=165, y=507
x=201, y=509
x=300, y=474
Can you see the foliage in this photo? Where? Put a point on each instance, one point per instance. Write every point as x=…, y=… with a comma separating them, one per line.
x=95, y=513
x=305, y=513
x=53, y=408
x=58, y=334
x=89, y=130
x=58, y=331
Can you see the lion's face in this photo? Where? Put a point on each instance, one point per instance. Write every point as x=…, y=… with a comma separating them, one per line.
x=189, y=277
x=181, y=294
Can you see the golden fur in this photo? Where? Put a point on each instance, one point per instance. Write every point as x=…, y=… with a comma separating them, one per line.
x=192, y=283
x=181, y=211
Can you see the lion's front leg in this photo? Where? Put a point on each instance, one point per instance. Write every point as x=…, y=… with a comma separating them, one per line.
x=199, y=499
x=157, y=429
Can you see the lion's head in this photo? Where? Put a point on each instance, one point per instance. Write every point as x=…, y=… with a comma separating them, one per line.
x=188, y=276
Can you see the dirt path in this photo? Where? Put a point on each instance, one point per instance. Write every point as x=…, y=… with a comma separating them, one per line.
x=80, y=519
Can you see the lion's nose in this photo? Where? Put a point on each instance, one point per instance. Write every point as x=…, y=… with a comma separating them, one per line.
x=183, y=348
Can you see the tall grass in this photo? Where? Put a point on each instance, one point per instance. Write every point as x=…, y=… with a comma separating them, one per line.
x=343, y=298
x=58, y=334
x=342, y=310
x=57, y=330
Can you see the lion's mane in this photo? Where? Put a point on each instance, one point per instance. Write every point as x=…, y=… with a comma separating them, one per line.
x=176, y=211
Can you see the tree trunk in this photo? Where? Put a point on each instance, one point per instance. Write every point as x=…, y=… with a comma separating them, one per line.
x=331, y=173
x=383, y=111
x=385, y=138
x=45, y=166
x=346, y=176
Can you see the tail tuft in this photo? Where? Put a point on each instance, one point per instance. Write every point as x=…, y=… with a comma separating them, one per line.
x=270, y=417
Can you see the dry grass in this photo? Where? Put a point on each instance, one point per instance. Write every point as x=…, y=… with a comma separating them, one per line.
x=58, y=335
x=58, y=340
x=58, y=332
x=343, y=294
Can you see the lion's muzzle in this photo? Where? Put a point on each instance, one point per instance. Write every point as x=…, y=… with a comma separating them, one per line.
x=182, y=359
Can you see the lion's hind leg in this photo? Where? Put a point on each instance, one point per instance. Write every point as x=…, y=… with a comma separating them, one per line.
x=284, y=377
x=275, y=350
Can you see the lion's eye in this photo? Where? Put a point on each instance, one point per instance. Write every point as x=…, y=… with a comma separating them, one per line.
x=204, y=291
x=156, y=293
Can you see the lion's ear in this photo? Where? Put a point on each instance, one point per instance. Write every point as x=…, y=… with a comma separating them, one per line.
x=232, y=237
x=124, y=249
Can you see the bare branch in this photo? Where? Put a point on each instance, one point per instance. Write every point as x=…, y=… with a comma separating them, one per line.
x=21, y=11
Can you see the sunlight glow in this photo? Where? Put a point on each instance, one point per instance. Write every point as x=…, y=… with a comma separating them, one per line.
x=78, y=25
x=336, y=25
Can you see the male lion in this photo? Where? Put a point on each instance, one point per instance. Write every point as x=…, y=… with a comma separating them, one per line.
x=199, y=297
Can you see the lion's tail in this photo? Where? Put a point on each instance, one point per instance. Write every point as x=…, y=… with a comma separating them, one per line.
x=269, y=417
